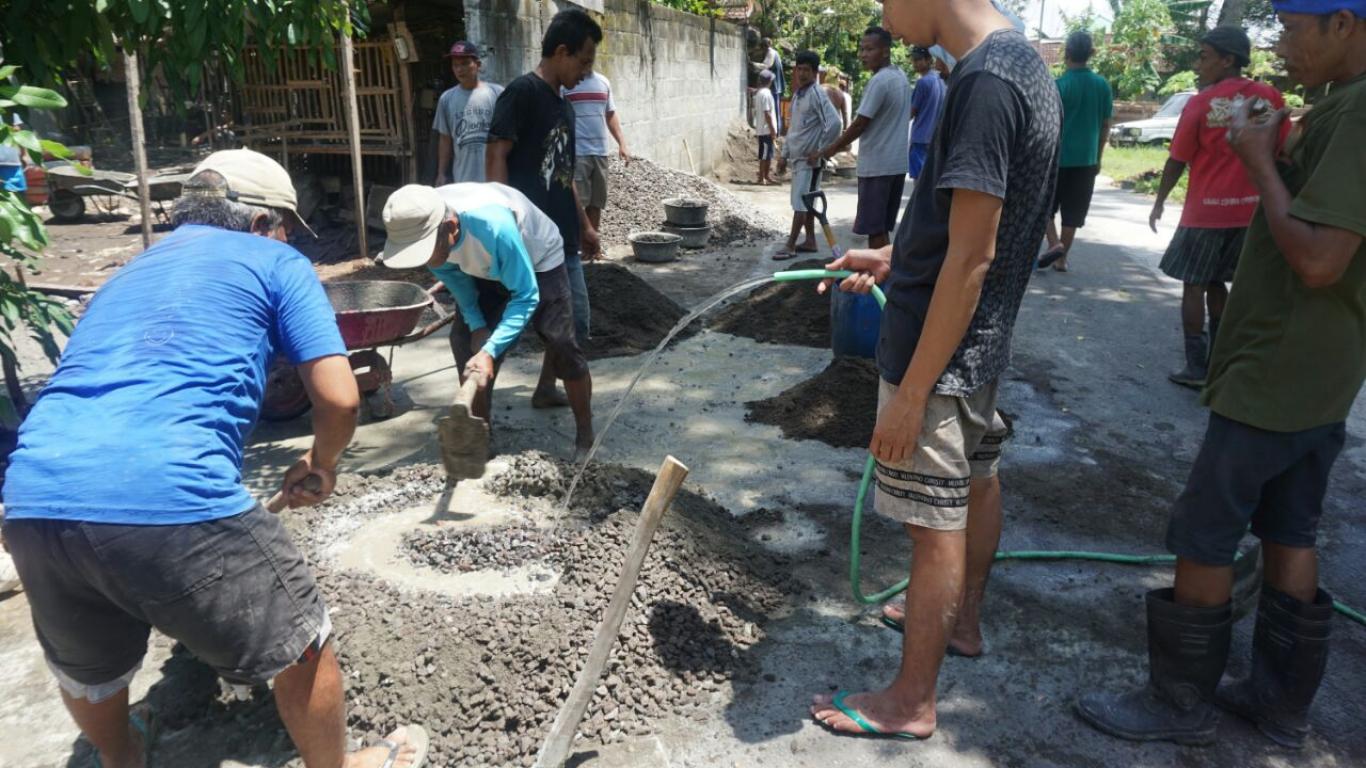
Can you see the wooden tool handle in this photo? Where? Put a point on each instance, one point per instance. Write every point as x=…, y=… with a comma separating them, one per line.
x=555, y=750
x=278, y=502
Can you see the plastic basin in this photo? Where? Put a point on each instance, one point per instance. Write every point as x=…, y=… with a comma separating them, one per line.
x=685, y=211
x=655, y=247
x=693, y=237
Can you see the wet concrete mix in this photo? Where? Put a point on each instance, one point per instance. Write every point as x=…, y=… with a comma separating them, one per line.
x=486, y=676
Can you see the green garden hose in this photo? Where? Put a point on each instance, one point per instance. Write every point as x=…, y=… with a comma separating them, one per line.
x=856, y=525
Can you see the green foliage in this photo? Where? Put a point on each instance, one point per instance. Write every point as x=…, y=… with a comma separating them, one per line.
x=1265, y=66
x=181, y=37
x=1179, y=82
x=698, y=7
x=1294, y=100
x=831, y=28
x=22, y=238
x=1136, y=39
x=1140, y=169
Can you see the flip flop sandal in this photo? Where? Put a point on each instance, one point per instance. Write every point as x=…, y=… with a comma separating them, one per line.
x=144, y=727
x=1051, y=256
x=893, y=624
x=783, y=256
x=812, y=249
x=868, y=728
x=417, y=739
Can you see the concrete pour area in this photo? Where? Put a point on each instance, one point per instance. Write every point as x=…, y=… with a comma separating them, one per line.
x=472, y=617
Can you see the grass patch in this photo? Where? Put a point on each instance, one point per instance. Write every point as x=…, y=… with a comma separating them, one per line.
x=1140, y=169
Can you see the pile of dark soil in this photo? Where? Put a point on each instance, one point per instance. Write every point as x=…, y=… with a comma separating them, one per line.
x=781, y=313
x=629, y=315
x=837, y=406
x=487, y=676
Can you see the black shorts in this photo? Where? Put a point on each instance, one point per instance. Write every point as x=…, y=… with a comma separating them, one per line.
x=553, y=321
x=1274, y=480
x=1073, y=195
x=235, y=591
x=879, y=201
x=765, y=147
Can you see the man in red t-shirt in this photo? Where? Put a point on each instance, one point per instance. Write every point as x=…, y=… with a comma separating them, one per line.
x=1221, y=198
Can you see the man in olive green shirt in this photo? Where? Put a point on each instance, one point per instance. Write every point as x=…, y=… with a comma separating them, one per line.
x=1087, y=106
x=1287, y=366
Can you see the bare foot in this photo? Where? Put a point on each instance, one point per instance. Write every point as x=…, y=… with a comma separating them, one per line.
x=963, y=641
x=374, y=757
x=549, y=399
x=883, y=710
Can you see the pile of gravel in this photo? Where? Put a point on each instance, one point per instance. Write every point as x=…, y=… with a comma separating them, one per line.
x=635, y=203
x=487, y=676
x=461, y=551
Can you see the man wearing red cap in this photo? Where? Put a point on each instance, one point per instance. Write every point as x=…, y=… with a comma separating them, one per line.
x=462, y=119
x=1287, y=366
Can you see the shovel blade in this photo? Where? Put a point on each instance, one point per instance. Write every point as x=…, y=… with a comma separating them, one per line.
x=464, y=444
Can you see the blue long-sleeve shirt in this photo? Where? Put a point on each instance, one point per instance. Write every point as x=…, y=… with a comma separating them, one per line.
x=490, y=247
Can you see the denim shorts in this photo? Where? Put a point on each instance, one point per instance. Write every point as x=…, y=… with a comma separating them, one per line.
x=1274, y=481
x=235, y=591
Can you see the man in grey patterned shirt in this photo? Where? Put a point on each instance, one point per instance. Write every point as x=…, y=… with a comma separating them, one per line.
x=955, y=275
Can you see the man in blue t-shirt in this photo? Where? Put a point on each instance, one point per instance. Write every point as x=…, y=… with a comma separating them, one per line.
x=124, y=504
x=926, y=101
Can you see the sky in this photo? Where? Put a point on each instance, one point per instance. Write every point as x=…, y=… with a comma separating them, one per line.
x=1053, y=10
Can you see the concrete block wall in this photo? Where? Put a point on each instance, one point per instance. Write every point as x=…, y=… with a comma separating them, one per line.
x=678, y=79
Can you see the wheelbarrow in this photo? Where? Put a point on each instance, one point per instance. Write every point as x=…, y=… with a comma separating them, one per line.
x=370, y=314
x=68, y=188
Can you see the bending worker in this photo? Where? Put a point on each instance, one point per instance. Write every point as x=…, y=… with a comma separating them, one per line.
x=503, y=261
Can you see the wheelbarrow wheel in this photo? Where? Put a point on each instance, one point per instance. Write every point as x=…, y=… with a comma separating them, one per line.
x=285, y=398
x=66, y=206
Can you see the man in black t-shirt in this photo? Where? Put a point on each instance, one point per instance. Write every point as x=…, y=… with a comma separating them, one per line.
x=531, y=148
x=955, y=275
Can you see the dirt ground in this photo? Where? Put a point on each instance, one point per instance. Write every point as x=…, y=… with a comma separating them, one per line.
x=746, y=606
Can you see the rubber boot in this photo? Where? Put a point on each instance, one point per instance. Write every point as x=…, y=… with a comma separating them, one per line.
x=1187, y=648
x=1197, y=363
x=1289, y=655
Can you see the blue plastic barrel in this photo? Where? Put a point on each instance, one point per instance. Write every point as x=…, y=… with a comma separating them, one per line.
x=854, y=323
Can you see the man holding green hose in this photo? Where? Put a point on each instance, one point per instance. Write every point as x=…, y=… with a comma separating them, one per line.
x=955, y=275
x=1287, y=366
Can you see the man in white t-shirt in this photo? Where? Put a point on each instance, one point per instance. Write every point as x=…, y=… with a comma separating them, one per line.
x=595, y=115
x=462, y=119
x=880, y=126
x=765, y=125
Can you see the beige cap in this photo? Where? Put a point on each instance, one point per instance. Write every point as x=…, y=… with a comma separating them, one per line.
x=254, y=179
x=412, y=219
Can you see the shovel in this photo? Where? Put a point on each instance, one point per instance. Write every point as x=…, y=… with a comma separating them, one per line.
x=464, y=436
x=816, y=203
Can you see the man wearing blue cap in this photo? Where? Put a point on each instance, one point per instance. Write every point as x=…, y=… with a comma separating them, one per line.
x=1287, y=366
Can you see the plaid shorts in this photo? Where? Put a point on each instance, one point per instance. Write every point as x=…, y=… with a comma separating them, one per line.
x=960, y=441
x=1198, y=256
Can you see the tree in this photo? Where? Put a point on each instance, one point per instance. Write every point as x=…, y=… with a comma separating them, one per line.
x=181, y=37
x=1129, y=62
x=22, y=238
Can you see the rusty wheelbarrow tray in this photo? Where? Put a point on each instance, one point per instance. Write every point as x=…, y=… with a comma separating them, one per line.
x=370, y=314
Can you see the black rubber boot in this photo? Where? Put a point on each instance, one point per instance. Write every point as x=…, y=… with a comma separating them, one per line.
x=1187, y=648
x=1289, y=655
x=1197, y=363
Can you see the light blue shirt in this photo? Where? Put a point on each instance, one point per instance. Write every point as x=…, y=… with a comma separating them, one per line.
x=144, y=421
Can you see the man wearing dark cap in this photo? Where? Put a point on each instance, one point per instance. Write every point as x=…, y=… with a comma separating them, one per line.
x=1221, y=200
x=462, y=119
x=1288, y=364
x=1087, y=107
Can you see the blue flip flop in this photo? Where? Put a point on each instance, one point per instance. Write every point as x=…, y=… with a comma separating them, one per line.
x=868, y=729
x=146, y=731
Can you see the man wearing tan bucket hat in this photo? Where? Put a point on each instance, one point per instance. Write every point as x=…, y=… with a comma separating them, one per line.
x=124, y=504
x=503, y=261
